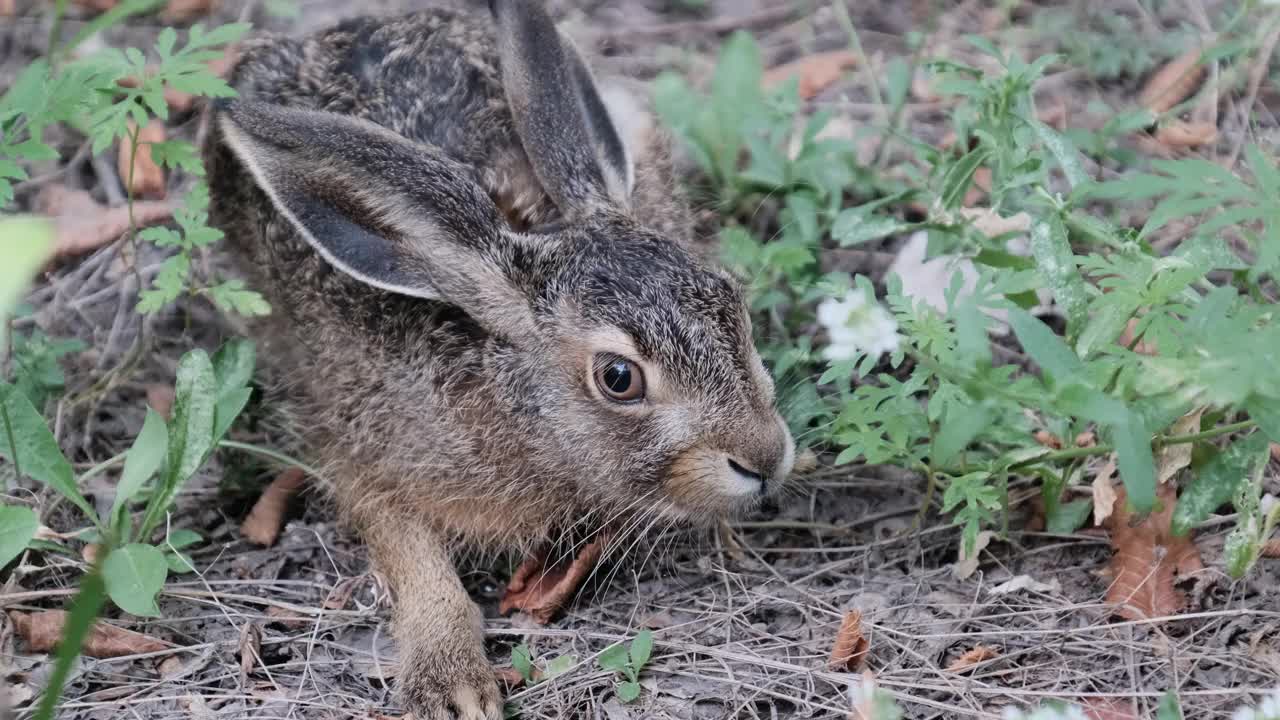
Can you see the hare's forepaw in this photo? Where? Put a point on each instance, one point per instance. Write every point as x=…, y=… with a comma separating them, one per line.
x=453, y=687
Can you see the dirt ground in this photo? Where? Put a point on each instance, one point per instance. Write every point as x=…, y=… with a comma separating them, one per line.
x=743, y=622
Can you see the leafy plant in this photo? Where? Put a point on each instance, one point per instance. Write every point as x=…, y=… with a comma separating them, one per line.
x=523, y=662
x=628, y=659
x=1200, y=337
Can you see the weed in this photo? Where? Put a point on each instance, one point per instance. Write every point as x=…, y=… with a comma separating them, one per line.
x=628, y=659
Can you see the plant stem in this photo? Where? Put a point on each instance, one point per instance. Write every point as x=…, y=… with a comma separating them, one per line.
x=100, y=467
x=1159, y=442
x=8, y=429
x=271, y=455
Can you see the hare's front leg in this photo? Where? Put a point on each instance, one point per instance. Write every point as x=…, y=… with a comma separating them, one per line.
x=444, y=674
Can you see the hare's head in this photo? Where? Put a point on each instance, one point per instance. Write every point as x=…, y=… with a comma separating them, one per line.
x=613, y=347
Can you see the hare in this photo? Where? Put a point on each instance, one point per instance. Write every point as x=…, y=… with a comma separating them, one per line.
x=491, y=324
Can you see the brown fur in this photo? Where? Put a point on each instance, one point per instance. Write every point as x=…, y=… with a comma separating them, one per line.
x=437, y=309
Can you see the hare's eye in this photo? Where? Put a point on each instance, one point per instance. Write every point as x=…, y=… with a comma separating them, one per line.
x=619, y=379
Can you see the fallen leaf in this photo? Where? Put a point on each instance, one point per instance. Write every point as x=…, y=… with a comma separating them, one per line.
x=1172, y=83
x=1026, y=582
x=1180, y=134
x=1086, y=439
x=967, y=564
x=979, y=654
x=1142, y=347
x=41, y=631
x=287, y=617
x=99, y=5
x=815, y=72
x=262, y=525
x=8, y=8
x=1271, y=548
x=340, y=597
x=1175, y=457
x=160, y=398
x=1148, y=559
x=1096, y=708
x=541, y=589
x=849, y=652
x=1048, y=439
x=90, y=553
x=138, y=170
x=508, y=677
x=980, y=188
x=80, y=224
x=1104, y=493
x=992, y=224
x=182, y=11
x=170, y=666
x=249, y=650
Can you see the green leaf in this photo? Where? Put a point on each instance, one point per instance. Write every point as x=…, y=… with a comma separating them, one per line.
x=1135, y=461
x=1240, y=550
x=28, y=242
x=1057, y=266
x=560, y=665
x=183, y=538
x=228, y=409
x=179, y=562
x=641, y=647
x=231, y=296
x=34, y=450
x=110, y=18
x=17, y=526
x=1169, y=708
x=190, y=432
x=956, y=182
x=1044, y=346
x=1265, y=412
x=628, y=691
x=522, y=661
x=233, y=365
x=854, y=226
x=142, y=461
x=614, y=658
x=1066, y=518
x=84, y=609
x=134, y=575
x=962, y=424
x=1064, y=152
x=1217, y=481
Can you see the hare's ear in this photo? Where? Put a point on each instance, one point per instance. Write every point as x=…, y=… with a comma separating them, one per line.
x=392, y=213
x=565, y=127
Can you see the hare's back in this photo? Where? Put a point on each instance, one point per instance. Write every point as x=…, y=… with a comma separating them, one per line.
x=431, y=76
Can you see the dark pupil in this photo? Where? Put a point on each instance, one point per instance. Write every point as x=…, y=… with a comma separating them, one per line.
x=618, y=377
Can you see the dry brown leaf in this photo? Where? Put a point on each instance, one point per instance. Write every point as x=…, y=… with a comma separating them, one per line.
x=249, y=650
x=183, y=11
x=80, y=224
x=1104, y=493
x=99, y=5
x=979, y=654
x=967, y=564
x=1048, y=439
x=90, y=553
x=1142, y=347
x=542, y=589
x=170, y=666
x=849, y=652
x=1175, y=457
x=1172, y=83
x=816, y=71
x=981, y=187
x=287, y=617
x=1181, y=134
x=992, y=224
x=1097, y=708
x=41, y=631
x=340, y=597
x=8, y=8
x=160, y=398
x=262, y=526
x=1086, y=439
x=138, y=170
x=1271, y=548
x=1149, y=559
x=510, y=678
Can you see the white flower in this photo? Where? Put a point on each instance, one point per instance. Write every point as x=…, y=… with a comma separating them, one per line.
x=857, y=324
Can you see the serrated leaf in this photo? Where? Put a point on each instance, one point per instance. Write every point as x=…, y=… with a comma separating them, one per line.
x=134, y=575
x=18, y=525
x=641, y=647
x=143, y=460
x=1215, y=483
